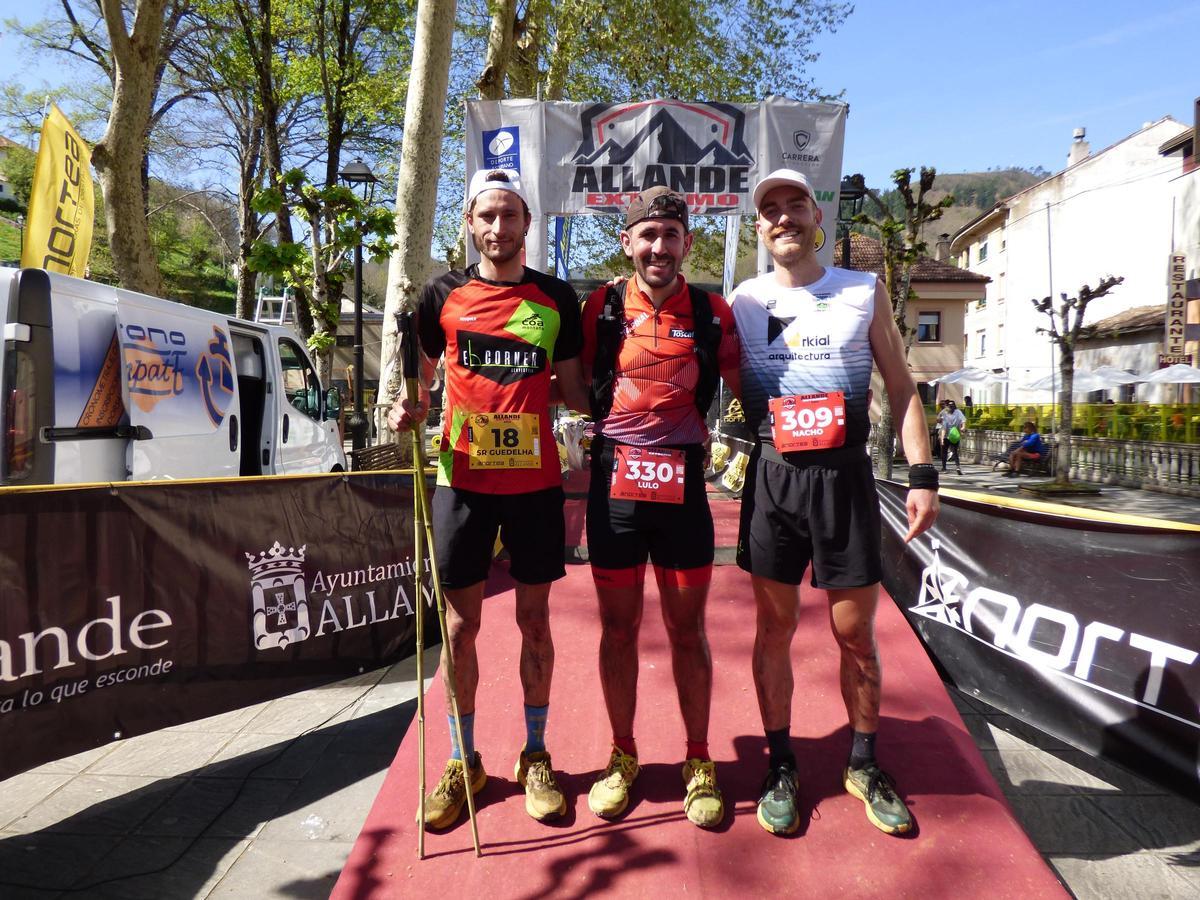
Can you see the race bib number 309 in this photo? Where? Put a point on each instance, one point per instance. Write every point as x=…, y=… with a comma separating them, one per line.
x=504, y=441
x=808, y=421
x=640, y=473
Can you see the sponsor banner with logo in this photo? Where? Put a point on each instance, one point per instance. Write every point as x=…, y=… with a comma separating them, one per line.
x=133, y=608
x=1087, y=629
x=591, y=158
x=58, y=228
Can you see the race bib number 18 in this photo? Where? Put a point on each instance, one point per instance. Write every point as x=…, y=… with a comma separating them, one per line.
x=504, y=441
x=643, y=474
x=808, y=421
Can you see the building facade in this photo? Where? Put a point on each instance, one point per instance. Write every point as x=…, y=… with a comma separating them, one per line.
x=944, y=292
x=1106, y=213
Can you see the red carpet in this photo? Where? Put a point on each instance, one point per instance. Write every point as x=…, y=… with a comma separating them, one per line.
x=967, y=843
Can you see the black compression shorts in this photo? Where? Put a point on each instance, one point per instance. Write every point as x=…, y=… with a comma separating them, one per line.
x=622, y=533
x=530, y=525
x=796, y=509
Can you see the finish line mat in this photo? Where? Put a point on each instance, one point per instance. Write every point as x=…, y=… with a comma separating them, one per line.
x=966, y=843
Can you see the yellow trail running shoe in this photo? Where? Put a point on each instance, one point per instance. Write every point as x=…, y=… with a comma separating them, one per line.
x=610, y=794
x=443, y=806
x=703, y=803
x=543, y=797
x=875, y=788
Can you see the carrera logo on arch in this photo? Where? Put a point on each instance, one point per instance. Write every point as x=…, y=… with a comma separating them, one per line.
x=697, y=149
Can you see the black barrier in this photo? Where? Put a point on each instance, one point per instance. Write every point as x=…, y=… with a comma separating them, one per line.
x=1086, y=629
x=128, y=608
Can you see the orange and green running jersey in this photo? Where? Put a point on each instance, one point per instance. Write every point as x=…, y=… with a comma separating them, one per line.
x=654, y=392
x=500, y=341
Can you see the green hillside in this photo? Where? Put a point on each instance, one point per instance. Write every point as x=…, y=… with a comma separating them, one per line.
x=974, y=193
x=10, y=243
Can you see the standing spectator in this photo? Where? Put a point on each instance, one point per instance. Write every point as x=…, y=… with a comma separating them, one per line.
x=951, y=424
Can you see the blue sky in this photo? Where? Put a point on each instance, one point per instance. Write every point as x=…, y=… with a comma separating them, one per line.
x=968, y=86
x=962, y=86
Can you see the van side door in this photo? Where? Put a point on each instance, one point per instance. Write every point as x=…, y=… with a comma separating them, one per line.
x=179, y=387
x=300, y=436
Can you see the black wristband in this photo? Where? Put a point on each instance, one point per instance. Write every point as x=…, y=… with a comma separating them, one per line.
x=923, y=476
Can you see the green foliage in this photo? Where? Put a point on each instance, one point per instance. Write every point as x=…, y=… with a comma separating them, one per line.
x=10, y=242
x=17, y=164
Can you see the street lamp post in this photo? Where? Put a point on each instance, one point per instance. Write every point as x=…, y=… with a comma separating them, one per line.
x=357, y=174
x=850, y=203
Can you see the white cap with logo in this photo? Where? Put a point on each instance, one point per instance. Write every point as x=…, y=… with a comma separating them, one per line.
x=495, y=180
x=781, y=178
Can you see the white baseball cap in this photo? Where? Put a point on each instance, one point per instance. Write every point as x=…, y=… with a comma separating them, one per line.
x=495, y=180
x=780, y=178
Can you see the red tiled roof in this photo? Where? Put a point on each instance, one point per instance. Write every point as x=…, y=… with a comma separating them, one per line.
x=866, y=255
x=1139, y=318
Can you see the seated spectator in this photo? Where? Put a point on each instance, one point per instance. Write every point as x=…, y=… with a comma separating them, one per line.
x=1031, y=447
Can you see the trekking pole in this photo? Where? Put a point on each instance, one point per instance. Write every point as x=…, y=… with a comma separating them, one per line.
x=423, y=520
x=418, y=554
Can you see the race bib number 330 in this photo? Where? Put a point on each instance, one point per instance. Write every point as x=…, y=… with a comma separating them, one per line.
x=504, y=441
x=643, y=474
x=808, y=421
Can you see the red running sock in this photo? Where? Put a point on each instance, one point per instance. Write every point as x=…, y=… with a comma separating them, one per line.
x=626, y=745
x=698, y=750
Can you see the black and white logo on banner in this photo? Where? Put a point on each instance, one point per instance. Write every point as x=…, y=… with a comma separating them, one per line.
x=278, y=596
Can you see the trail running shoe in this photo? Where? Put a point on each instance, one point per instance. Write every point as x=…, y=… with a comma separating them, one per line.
x=702, y=804
x=610, y=794
x=443, y=806
x=543, y=797
x=877, y=791
x=777, y=811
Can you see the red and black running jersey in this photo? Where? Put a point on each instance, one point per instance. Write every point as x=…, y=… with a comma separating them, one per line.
x=654, y=392
x=500, y=341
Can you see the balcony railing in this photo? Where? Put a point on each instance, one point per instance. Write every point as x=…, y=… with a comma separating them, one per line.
x=1156, y=465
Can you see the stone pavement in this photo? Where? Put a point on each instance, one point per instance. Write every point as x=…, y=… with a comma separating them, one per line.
x=266, y=801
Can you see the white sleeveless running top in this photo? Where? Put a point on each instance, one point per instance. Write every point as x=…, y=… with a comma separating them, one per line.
x=806, y=339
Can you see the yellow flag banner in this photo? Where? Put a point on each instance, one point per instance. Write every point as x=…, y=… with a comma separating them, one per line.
x=58, y=229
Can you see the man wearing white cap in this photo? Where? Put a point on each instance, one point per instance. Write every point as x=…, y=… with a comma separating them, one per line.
x=503, y=329
x=809, y=336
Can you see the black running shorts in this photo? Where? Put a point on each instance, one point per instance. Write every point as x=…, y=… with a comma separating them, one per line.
x=803, y=507
x=622, y=533
x=531, y=529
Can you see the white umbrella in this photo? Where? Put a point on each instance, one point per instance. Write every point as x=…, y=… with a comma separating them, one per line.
x=1176, y=374
x=970, y=375
x=1117, y=376
x=1085, y=382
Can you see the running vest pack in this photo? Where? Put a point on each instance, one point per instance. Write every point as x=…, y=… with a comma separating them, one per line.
x=610, y=328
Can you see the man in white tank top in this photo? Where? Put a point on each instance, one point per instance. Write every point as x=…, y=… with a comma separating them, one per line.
x=809, y=336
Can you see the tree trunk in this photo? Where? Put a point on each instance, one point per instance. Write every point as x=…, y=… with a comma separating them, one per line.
x=885, y=438
x=1066, y=416
x=499, y=48
x=248, y=182
x=119, y=154
x=416, y=186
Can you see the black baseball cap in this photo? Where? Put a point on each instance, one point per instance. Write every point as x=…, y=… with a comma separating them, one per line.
x=659, y=202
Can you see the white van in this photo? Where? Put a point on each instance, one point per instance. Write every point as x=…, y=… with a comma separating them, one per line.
x=102, y=384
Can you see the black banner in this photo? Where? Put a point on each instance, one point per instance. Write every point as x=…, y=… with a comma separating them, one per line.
x=1087, y=629
x=126, y=609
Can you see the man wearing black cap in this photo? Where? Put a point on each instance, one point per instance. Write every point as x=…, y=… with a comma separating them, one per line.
x=503, y=330
x=809, y=337
x=653, y=348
